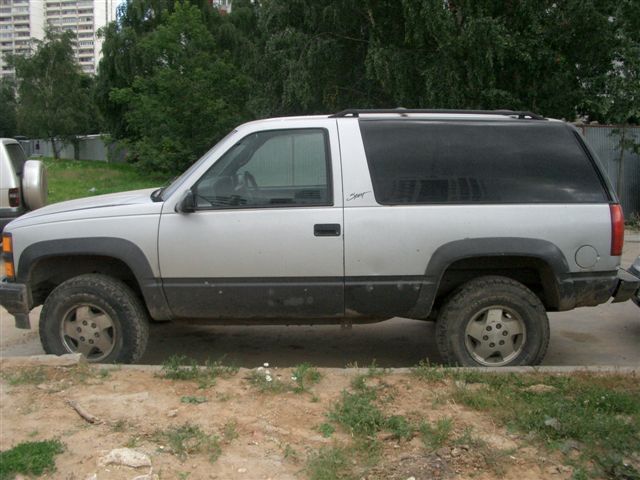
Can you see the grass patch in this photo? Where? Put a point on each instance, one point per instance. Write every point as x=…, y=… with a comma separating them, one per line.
x=26, y=376
x=331, y=463
x=358, y=413
x=230, y=431
x=29, y=458
x=601, y=413
x=69, y=179
x=434, y=436
x=265, y=382
x=194, y=400
x=188, y=440
x=305, y=375
x=326, y=429
x=180, y=367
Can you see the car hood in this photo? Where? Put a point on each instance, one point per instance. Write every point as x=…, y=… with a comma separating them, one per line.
x=123, y=203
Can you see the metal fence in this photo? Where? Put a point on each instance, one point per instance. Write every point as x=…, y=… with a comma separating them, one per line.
x=88, y=147
x=605, y=140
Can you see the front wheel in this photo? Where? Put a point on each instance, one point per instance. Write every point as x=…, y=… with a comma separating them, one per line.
x=494, y=322
x=97, y=316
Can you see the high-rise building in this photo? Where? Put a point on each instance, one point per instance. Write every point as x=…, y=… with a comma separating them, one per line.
x=22, y=20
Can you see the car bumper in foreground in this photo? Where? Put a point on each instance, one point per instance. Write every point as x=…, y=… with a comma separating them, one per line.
x=15, y=298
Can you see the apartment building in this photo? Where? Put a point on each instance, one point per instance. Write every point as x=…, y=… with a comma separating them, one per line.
x=22, y=20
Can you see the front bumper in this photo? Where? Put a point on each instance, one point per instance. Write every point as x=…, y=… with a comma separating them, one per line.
x=628, y=285
x=15, y=298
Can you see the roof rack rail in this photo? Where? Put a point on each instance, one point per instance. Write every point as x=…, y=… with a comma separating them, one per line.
x=355, y=112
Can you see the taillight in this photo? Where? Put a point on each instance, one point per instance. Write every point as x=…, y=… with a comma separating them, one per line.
x=14, y=197
x=617, y=229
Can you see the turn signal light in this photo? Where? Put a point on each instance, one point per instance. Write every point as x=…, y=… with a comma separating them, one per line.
x=7, y=256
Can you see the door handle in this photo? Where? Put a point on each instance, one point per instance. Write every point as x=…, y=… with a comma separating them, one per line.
x=326, y=229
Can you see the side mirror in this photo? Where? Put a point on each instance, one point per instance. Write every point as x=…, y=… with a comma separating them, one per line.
x=187, y=203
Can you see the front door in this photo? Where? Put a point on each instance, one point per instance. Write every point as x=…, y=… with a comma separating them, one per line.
x=266, y=239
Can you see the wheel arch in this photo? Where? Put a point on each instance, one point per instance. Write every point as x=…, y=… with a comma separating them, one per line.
x=43, y=265
x=538, y=264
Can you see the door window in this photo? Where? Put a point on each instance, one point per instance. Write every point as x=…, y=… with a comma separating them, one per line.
x=270, y=169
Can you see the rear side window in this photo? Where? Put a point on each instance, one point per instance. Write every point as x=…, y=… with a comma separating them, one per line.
x=16, y=157
x=429, y=162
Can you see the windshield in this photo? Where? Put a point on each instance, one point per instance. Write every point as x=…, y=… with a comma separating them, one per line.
x=168, y=191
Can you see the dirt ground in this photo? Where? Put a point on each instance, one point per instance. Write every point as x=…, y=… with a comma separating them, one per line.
x=276, y=432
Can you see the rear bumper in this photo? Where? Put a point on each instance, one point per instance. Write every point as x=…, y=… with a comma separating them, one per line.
x=628, y=285
x=15, y=298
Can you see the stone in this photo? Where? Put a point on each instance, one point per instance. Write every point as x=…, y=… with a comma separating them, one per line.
x=172, y=413
x=540, y=388
x=242, y=470
x=553, y=423
x=93, y=476
x=148, y=476
x=126, y=457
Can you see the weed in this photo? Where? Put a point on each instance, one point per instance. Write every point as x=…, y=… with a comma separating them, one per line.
x=305, y=375
x=602, y=413
x=266, y=383
x=183, y=475
x=26, y=376
x=189, y=439
x=230, y=431
x=133, y=442
x=330, y=463
x=223, y=397
x=180, y=367
x=193, y=399
x=428, y=372
x=33, y=433
x=358, y=413
x=399, y=427
x=291, y=454
x=326, y=429
x=315, y=399
x=29, y=458
x=435, y=436
x=119, y=425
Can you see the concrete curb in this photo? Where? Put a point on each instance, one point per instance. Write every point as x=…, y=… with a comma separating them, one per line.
x=75, y=359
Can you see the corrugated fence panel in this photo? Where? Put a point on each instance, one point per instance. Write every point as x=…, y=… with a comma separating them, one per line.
x=605, y=140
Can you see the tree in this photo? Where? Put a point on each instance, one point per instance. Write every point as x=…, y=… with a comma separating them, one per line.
x=53, y=95
x=8, y=124
x=186, y=96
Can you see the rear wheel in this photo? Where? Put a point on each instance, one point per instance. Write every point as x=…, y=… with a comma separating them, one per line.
x=493, y=322
x=97, y=316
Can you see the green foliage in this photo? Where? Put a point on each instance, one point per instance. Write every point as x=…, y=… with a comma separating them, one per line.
x=434, y=436
x=265, y=382
x=188, y=440
x=8, y=114
x=326, y=429
x=54, y=97
x=187, y=94
x=192, y=399
x=330, y=463
x=399, y=427
x=305, y=375
x=180, y=367
x=26, y=376
x=358, y=413
x=29, y=458
x=230, y=431
x=600, y=413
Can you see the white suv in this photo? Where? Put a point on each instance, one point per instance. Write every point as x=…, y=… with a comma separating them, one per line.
x=483, y=221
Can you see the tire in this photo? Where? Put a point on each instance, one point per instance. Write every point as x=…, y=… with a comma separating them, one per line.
x=493, y=321
x=34, y=184
x=97, y=316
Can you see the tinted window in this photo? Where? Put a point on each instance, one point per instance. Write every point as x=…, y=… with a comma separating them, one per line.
x=16, y=157
x=424, y=162
x=271, y=168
